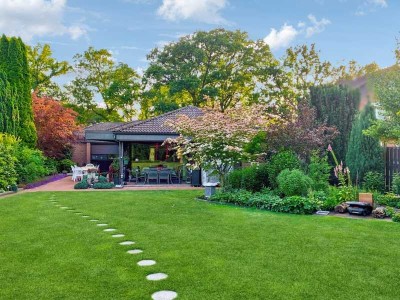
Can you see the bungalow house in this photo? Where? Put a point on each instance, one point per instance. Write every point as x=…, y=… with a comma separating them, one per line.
x=135, y=144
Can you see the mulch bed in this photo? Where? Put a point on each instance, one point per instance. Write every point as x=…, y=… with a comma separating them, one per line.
x=45, y=181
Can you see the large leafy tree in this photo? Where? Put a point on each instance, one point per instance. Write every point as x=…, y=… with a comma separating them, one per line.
x=305, y=69
x=364, y=153
x=16, y=100
x=103, y=87
x=56, y=126
x=336, y=105
x=219, y=64
x=217, y=140
x=43, y=68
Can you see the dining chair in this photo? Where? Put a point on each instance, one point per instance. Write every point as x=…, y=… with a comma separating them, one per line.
x=152, y=175
x=164, y=175
x=78, y=174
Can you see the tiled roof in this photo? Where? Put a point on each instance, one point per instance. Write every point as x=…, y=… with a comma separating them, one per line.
x=103, y=126
x=157, y=125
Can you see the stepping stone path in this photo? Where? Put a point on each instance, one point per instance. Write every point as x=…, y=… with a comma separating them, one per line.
x=118, y=235
x=126, y=243
x=146, y=262
x=156, y=276
x=134, y=251
x=164, y=295
x=160, y=295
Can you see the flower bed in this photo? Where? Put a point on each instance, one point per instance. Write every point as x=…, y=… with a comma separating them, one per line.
x=45, y=181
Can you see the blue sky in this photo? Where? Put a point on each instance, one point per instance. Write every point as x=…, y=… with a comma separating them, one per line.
x=364, y=30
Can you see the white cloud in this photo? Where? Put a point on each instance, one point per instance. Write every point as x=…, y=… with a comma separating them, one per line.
x=29, y=18
x=207, y=11
x=369, y=6
x=281, y=38
x=316, y=26
x=277, y=39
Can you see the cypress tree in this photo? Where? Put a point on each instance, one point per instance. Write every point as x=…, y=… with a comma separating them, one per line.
x=8, y=109
x=364, y=153
x=336, y=106
x=17, y=98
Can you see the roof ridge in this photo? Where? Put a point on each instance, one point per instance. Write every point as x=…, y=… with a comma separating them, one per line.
x=168, y=113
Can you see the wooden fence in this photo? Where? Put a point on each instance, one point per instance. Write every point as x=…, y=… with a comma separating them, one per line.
x=392, y=166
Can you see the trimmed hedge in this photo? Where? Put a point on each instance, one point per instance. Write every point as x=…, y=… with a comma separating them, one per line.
x=83, y=185
x=253, y=178
x=103, y=185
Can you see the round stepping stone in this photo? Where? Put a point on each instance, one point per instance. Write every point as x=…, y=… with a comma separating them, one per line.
x=125, y=243
x=118, y=235
x=109, y=229
x=102, y=224
x=156, y=276
x=85, y=216
x=134, y=251
x=146, y=262
x=93, y=220
x=164, y=295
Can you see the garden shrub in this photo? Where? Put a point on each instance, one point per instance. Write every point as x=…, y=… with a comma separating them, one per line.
x=388, y=199
x=279, y=162
x=374, y=181
x=396, y=217
x=390, y=211
x=293, y=183
x=65, y=165
x=253, y=178
x=319, y=171
x=269, y=201
x=8, y=149
x=30, y=165
x=51, y=166
x=335, y=196
x=82, y=185
x=396, y=184
x=297, y=205
x=263, y=200
x=102, y=179
x=103, y=185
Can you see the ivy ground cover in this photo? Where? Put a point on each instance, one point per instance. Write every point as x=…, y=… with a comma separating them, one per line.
x=209, y=251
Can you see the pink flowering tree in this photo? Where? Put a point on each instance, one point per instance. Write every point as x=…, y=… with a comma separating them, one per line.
x=216, y=140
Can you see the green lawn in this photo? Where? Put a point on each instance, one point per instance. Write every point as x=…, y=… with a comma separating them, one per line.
x=209, y=251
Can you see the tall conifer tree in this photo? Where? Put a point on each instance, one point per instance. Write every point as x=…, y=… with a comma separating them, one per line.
x=336, y=106
x=364, y=153
x=16, y=99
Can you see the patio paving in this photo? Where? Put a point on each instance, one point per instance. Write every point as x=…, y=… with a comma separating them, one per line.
x=66, y=184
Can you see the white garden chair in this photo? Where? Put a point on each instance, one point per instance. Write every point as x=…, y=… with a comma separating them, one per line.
x=78, y=174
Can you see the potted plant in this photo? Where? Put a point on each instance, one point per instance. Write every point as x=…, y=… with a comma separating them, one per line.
x=114, y=171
